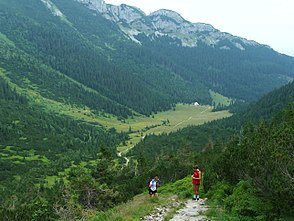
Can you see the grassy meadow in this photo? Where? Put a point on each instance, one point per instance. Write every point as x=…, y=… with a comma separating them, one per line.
x=169, y=121
x=219, y=99
x=137, y=126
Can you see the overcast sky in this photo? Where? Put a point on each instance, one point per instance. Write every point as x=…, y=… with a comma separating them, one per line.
x=268, y=22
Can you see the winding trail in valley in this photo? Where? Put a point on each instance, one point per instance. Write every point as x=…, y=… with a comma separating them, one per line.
x=183, y=121
x=127, y=159
x=205, y=110
x=202, y=112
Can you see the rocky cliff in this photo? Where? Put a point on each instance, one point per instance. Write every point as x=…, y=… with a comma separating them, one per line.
x=133, y=21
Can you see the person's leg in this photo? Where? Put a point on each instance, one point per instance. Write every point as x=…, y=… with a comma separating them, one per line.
x=150, y=192
x=195, y=191
x=153, y=194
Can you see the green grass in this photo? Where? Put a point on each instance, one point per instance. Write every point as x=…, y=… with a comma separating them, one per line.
x=219, y=99
x=142, y=205
x=22, y=156
x=183, y=116
x=51, y=180
x=133, y=210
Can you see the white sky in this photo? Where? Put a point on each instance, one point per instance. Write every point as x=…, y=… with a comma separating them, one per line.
x=268, y=22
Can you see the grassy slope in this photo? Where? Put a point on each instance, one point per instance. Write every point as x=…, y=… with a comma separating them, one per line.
x=142, y=205
x=219, y=99
x=182, y=116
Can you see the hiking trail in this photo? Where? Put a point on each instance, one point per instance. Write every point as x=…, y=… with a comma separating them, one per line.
x=192, y=211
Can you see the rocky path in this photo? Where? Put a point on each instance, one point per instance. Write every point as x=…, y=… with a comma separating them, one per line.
x=192, y=211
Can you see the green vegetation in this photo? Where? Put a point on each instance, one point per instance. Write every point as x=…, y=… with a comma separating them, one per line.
x=116, y=76
x=74, y=91
x=142, y=205
x=248, y=177
x=219, y=99
x=220, y=102
x=183, y=115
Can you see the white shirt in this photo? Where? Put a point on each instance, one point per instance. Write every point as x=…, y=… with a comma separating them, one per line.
x=152, y=185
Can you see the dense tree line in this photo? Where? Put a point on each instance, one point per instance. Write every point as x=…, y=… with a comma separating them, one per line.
x=247, y=159
x=58, y=58
x=248, y=69
x=143, y=87
x=147, y=78
x=51, y=84
x=42, y=143
x=256, y=160
x=7, y=93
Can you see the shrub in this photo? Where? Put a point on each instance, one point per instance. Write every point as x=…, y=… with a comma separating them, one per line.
x=245, y=203
x=219, y=192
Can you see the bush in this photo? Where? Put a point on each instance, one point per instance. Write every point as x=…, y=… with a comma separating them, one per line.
x=182, y=188
x=245, y=203
x=219, y=192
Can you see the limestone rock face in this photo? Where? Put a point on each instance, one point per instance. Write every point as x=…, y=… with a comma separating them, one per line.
x=98, y=5
x=133, y=21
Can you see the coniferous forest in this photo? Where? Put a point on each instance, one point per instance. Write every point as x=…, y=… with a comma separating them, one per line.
x=57, y=72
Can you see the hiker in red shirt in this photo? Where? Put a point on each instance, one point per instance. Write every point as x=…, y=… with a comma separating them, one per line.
x=196, y=180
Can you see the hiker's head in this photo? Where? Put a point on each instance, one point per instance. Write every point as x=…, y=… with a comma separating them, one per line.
x=156, y=178
x=196, y=167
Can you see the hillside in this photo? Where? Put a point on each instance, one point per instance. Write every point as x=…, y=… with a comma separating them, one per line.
x=205, y=136
x=76, y=43
x=127, y=82
x=200, y=53
x=36, y=143
x=259, y=137
x=82, y=83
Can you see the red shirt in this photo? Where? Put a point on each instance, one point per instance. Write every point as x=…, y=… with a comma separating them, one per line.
x=196, y=174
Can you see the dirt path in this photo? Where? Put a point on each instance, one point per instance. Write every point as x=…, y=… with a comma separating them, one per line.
x=205, y=110
x=192, y=211
x=183, y=121
x=126, y=159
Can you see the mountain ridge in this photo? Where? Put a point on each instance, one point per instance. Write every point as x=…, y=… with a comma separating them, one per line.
x=148, y=71
x=159, y=26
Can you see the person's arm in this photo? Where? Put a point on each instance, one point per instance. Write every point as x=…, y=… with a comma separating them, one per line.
x=197, y=178
x=200, y=174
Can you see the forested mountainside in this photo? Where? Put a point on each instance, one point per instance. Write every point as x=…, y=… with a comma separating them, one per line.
x=247, y=159
x=95, y=187
x=36, y=143
x=91, y=51
x=202, y=137
x=270, y=104
x=118, y=73
x=61, y=57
